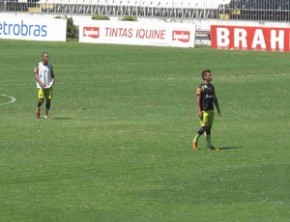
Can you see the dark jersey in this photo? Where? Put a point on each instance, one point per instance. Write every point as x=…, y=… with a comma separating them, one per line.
x=207, y=97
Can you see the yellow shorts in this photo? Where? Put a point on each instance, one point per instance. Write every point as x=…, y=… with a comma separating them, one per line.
x=207, y=118
x=45, y=93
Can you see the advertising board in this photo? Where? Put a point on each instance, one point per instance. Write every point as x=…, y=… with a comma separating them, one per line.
x=250, y=38
x=28, y=27
x=138, y=33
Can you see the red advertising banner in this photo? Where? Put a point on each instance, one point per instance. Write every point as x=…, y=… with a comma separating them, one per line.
x=250, y=38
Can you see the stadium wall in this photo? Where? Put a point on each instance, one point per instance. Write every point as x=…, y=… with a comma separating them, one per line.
x=202, y=27
x=46, y=27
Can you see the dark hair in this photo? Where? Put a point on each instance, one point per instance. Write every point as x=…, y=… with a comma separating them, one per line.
x=204, y=72
x=42, y=54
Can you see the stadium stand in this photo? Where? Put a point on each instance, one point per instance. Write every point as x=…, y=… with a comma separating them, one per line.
x=204, y=4
x=260, y=4
x=270, y=10
x=262, y=10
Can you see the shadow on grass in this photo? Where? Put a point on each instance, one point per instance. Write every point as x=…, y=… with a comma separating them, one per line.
x=61, y=118
x=230, y=148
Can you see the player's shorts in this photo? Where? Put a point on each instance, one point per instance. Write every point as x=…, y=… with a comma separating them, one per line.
x=207, y=118
x=45, y=93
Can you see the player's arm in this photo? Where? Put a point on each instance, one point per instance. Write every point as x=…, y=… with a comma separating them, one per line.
x=36, y=76
x=216, y=103
x=52, y=76
x=198, y=101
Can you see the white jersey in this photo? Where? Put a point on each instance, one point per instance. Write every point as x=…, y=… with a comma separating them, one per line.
x=45, y=74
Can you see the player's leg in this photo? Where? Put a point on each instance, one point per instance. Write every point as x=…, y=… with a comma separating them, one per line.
x=47, y=107
x=39, y=102
x=48, y=96
x=208, y=138
x=203, y=128
x=208, y=131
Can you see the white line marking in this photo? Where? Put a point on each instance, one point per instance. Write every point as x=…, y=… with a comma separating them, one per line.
x=12, y=99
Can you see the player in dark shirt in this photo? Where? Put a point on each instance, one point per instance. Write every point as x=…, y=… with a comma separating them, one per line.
x=206, y=99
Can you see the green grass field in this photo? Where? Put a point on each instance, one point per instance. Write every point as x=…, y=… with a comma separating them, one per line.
x=119, y=145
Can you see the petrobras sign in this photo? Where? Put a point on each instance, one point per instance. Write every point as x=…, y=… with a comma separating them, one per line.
x=250, y=38
x=138, y=33
x=32, y=27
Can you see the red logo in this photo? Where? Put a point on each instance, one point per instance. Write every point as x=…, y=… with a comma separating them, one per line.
x=182, y=36
x=93, y=32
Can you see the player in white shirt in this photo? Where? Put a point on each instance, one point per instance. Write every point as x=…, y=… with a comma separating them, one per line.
x=44, y=76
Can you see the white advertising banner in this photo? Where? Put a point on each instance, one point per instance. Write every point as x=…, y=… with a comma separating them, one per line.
x=138, y=33
x=32, y=27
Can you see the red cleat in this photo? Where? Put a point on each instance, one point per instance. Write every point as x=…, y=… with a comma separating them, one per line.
x=37, y=114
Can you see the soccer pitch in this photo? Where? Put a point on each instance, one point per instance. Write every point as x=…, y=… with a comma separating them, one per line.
x=119, y=145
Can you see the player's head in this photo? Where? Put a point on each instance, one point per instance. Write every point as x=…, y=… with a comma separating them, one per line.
x=44, y=57
x=206, y=75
